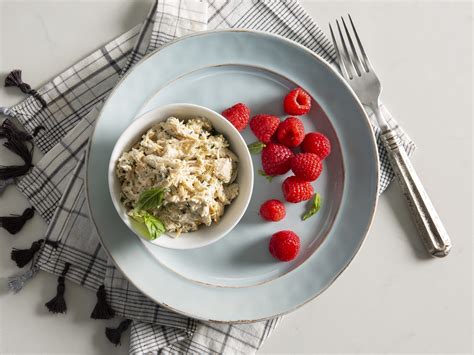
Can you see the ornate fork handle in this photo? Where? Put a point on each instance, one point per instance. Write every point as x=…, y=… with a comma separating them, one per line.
x=358, y=72
x=431, y=230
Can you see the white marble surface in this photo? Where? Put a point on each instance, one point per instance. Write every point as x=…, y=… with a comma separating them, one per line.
x=392, y=298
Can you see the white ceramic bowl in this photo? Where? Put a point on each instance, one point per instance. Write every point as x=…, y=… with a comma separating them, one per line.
x=232, y=214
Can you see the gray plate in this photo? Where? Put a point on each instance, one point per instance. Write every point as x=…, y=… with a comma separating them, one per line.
x=236, y=279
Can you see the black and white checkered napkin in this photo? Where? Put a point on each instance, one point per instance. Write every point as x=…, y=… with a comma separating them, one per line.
x=55, y=186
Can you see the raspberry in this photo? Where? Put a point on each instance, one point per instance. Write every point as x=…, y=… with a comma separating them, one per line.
x=284, y=245
x=264, y=126
x=316, y=143
x=273, y=210
x=290, y=132
x=276, y=159
x=238, y=115
x=296, y=190
x=306, y=166
x=297, y=102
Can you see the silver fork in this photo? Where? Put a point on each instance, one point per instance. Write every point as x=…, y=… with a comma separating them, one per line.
x=356, y=68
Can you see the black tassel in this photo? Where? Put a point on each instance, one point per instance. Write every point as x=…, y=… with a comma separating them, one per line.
x=14, y=79
x=52, y=243
x=102, y=309
x=16, y=142
x=8, y=129
x=14, y=223
x=58, y=304
x=18, y=147
x=23, y=256
x=114, y=334
x=37, y=130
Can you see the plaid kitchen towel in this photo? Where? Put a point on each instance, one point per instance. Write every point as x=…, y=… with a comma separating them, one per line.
x=61, y=115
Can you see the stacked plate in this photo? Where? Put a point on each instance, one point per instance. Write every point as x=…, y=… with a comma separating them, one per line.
x=236, y=279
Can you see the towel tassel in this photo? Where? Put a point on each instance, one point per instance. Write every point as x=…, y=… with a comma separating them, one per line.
x=8, y=129
x=16, y=283
x=37, y=130
x=14, y=223
x=102, y=309
x=114, y=334
x=23, y=256
x=14, y=79
x=16, y=142
x=7, y=111
x=57, y=304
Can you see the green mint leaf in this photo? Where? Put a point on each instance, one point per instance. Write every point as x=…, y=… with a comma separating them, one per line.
x=314, y=207
x=151, y=198
x=137, y=215
x=268, y=177
x=154, y=226
x=256, y=147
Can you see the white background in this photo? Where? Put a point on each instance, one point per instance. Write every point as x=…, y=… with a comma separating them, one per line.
x=392, y=298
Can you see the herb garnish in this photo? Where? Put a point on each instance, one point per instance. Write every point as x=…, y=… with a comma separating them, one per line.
x=256, y=147
x=151, y=198
x=268, y=177
x=316, y=205
x=153, y=224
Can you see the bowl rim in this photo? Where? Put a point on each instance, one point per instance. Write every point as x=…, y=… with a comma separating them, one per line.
x=144, y=121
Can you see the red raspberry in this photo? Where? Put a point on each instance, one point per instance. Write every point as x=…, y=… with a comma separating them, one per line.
x=273, y=210
x=290, y=132
x=284, y=245
x=276, y=159
x=296, y=190
x=297, y=102
x=306, y=166
x=316, y=143
x=264, y=126
x=238, y=115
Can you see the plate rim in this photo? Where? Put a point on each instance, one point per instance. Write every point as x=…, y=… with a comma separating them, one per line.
x=328, y=66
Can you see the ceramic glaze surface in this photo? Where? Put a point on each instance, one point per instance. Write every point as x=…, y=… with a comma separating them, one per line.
x=242, y=259
x=257, y=69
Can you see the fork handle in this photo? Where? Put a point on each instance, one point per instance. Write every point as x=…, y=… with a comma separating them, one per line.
x=430, y=228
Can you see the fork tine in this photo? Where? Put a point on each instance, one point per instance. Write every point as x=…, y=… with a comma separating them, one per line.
x=355, y=57
x=339, y=62
x=366, y=61
x=345, y=55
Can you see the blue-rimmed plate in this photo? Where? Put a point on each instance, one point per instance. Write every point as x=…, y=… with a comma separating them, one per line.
x=236, y=279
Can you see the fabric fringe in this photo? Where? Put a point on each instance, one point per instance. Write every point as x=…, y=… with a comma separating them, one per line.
x=16, y=283
x=115, y=334
x=16, y=142
x=8, y=129
x=7, y=111
x=23, y=256
x=14, y=80
x=37, y=130
x=102, y=309
x=58, y=304
x=14, y=223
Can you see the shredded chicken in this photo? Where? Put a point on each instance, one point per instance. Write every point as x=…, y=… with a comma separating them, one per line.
x=192, y=162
